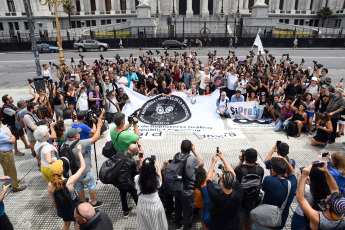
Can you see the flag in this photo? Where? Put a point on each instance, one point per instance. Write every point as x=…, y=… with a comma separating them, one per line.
x=258, y=43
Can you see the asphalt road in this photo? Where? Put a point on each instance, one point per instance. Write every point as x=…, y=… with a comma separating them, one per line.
x=16, y=67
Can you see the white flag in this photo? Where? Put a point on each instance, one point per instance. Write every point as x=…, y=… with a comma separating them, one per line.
x=258, y=43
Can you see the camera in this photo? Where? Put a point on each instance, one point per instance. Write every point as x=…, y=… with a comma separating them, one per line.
x=315, y=62
x=324, y=82
x=319, y=66
x=130, y=55
x=302, y=60
x=248, y=56
x=266, y=51
x=30, y=80
x=132, y=116
x=55, y=65
x=72, y=60
x=81, y=56
x=243, y=151
x=158, y=52
x=221, y=167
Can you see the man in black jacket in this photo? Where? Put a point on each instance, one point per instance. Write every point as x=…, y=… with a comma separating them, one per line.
x=86, y=216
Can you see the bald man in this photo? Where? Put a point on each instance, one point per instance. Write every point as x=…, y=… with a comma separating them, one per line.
x=88, y=218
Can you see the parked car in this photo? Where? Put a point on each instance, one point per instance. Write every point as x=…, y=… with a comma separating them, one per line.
x=90, y=44
x=173, y=44
x=44, y=47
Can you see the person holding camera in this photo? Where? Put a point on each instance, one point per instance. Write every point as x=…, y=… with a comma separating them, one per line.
x=334, y=108
x=9, y=112
x=333, y=215
x=111, y=105
x=324, y=129
x=226, y=202
x=46, y=72
x=96, y=98
x=251, y=194
x=31, y=123
x=282, y=150
x=44, y=107
x=59, y=102
x=119, y=133
x=293, y=89
x=82, y=99
x=5, y=222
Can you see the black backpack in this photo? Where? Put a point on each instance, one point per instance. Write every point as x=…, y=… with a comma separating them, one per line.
x=66, y=154
x=174, y=179
x=109, y=149
x=292, y=129
x=251, y=185
x=63, y=197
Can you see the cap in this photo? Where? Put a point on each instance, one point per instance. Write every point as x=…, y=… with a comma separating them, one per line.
x=72, y=132
x=314, y=78
x=324, y=86
x=340, y=90
x=338, y=206
x=220, y=72
x=328, y=79
x=57, y=167
x=149, y=75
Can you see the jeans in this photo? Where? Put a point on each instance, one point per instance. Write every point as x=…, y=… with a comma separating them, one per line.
x=86, y=179
x=298, y=222
x=280, y=124
x=123, y=194
x=256, y=226
x=185, y=205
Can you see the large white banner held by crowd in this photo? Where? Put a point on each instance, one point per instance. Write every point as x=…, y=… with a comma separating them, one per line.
x=176, y=113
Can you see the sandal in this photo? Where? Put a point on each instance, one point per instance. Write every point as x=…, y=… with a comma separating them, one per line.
x=297, y=135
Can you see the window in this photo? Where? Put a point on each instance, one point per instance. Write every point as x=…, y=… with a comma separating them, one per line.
x=311, y=22
x=78, y=24
x=301, y=22
x=316, y=23
x=124, y=20
x=54, y=24
x=109, y=21
x=11, y=7
x=77, y=4
x=281, y=20
x=16, y=25
x=286, y=21
x=107, y=5
x=73, y=24
x=26, y=25
x=1, y=26
x=123, y=4
x=88, y=23
x=93, y=22
x=93, y=5
x=118, y=20
x=102, y=22
x=337, y=22
x=10, y=25
x=295, y=22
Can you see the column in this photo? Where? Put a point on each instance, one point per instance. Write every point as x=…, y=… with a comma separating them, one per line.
x=82, y=7
x=97, y=7
x=245, y=6
x=204, y=8
x=241, y=5
x=113, y=6
x=292, y=5
x=189, y=11
x=285, y=5
x=277, y=6
x=19, y=6
x=128, y=5
x=307, y=5
x=332, y=4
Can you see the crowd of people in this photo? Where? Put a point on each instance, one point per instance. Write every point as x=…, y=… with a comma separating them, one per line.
x=66, y=117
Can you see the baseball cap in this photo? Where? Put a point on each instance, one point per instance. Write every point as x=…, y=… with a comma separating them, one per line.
x=72, y=132
x=340, y=90
x=314, y=78
x=338, y=206
x=324, y=86
x=57, y=167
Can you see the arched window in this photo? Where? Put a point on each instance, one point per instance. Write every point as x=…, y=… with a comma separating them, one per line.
x=93, y=5
x=107, y=5
x=11, y=7
x=123, y=4
x=250, y=4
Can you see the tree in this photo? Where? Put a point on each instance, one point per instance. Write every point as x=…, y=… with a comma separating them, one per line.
x=68, y=8
x=324, y=13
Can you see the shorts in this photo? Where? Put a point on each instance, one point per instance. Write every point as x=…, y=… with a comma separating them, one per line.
x=47, y=174
x=310, y=114
x=17, y=132
x=86, y=179
x=67, y=214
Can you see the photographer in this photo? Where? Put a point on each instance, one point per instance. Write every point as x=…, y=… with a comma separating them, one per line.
x=324, y=129
x=59, y=103
x=293, y=89
x=31, y=123
x=124, y=137
x=46, y=72
x=82, y=101
x=111, y=106
x=226, y=202
x=96, y=98
x=44, y=107
x=282, y=150
x=122, y=98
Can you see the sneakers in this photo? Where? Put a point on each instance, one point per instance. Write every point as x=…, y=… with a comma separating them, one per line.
x=18, y=153
x=22, y=187
x=97, y=205
x=331, y=142
x=126, y=213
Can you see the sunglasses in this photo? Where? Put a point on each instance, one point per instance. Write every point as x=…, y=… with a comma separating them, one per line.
x=107, y=79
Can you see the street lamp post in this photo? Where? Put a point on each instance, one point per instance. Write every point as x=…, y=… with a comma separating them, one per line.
x=222, y=10
x=57, y=3
x=157, y=11
x=174, y=16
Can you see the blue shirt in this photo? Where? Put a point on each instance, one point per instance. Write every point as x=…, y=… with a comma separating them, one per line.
x=234, y=98
x=276, y=191
x=5, y=144
x=2, y=208
x=131, y=77
x=340, y=179
x=85, y=131
x=186, y=77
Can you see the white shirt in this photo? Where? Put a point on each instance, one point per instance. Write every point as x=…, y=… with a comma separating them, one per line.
x=146, y=197
x=82, y=104
x=110, y=107
x=47, y=73
x=202, y=78
x=44, y=151
x=240, y=84
x=308, y=197
x=231, y=80
x=122, y=80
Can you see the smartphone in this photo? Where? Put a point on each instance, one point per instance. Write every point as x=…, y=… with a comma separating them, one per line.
x=153, y=157
x=278, y=143
x=170, y=161
x=141, y=155
x=9, y=181
x=324, y=154
x=217, y=150
x=317, y=165
x=301, y=168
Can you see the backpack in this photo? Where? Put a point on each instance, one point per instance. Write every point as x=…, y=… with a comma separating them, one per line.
x=63, y=197
x=174, y=174
x=292, y=129
x=251, y=185
x=66, y=154
x=19, y=124
x=109, y=149
x=115, y=171
x=6, y=119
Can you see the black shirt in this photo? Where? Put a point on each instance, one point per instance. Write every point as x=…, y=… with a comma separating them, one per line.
x=250, y=169
x=292, y=90
x=165, y=91
x=225, y=208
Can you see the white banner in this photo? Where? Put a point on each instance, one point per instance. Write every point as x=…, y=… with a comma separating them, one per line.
x=220, y=134
x=258, y=43
x=245, y=110
x=177, y=113
x=244, y=123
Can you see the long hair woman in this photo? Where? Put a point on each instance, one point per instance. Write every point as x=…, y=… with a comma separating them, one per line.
x=150, y=210
x=337, y=169
x=316, y=189
x=55, y=188
x=285, y=116
x=324, y=130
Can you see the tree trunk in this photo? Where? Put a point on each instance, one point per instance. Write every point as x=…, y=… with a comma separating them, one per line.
x=69, y=20
x=323, y=22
